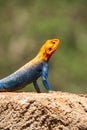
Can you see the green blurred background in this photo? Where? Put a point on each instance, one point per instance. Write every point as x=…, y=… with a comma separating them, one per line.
x=26, y=24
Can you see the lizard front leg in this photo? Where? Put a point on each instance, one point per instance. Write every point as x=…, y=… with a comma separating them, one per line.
x=44, y=76
x=36, y=86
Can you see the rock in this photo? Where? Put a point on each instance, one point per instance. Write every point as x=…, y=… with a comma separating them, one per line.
x=44, y=111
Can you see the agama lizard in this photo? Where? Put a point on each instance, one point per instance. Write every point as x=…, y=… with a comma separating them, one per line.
x=30, y=72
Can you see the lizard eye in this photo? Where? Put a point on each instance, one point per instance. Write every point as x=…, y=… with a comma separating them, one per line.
x=53, y=42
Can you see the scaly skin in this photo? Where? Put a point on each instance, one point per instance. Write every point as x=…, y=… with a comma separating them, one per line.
x=30, y=72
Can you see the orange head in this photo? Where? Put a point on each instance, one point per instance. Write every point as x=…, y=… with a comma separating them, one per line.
x=48, y=49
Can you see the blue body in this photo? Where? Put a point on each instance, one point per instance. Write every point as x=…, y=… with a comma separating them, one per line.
x=22, y=77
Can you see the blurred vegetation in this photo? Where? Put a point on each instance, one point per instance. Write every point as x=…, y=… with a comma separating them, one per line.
x=26, y=24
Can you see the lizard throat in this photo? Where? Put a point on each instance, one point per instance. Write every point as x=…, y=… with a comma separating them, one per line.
x=44, y=56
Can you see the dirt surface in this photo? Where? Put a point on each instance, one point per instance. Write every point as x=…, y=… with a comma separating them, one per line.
x=45, y=111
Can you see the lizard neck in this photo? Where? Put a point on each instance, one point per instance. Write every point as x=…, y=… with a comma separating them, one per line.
x=43, y=56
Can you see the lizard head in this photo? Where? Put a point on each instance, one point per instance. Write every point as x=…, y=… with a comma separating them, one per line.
x=48, y=49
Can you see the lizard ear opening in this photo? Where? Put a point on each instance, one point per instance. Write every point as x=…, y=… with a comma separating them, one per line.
x=49, y=51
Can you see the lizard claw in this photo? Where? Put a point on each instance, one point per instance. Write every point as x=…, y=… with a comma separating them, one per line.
x=52, y=91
